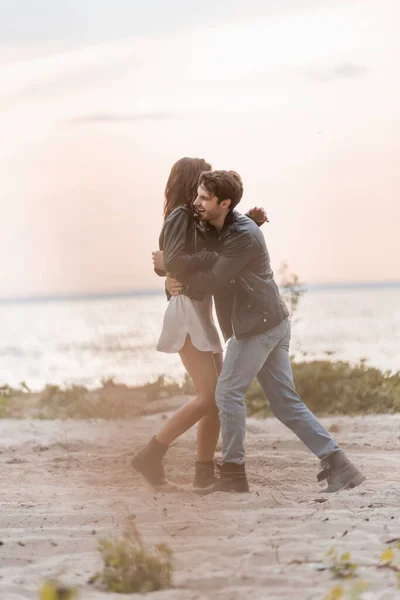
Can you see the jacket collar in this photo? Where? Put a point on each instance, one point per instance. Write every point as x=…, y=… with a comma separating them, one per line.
x=229, y=220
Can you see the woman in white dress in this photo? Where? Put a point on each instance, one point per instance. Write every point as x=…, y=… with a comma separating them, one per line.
x=188, y=329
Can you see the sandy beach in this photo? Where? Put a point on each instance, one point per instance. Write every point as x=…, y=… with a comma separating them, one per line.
x=65, y=484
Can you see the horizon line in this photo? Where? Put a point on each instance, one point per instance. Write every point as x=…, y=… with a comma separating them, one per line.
x=76, y=296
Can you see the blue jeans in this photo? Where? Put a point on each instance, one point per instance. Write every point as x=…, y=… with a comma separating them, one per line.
x=265, y=356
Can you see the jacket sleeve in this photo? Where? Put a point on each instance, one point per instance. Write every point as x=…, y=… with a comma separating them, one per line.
x=256, y=222
x=223, y=300
x=176, y=259
x=237, y=253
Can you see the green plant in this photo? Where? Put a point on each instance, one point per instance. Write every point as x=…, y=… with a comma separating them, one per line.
x=335, y=593
x=58, y=403
x=390, y=559
x=292, y=288
x=25, y=387
x=188, y=385
x=129, y=567
x=111, y=401
x=6, y=391
x=327, y=388
x=5, y=410
x=337, y=388
x=339, y=592
x=49, y=392
x=55, y=590
x=108, y=382
x=161, y=387
x=340, y=566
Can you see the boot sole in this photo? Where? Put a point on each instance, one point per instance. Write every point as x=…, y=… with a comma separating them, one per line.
x=355, y=481
x=167, y=488
x=215, y=488
x=200, y=486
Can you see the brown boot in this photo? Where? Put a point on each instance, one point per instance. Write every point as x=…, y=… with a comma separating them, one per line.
x=340, y=473
x=204, y=475
x=232, y=478
x=148, y=462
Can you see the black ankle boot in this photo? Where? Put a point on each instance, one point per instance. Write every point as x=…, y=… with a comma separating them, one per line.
x=148, y=462
x=232, y=478
x=204, y=475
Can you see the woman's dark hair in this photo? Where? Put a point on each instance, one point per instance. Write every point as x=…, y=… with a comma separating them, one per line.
x=224, y=185
x=181, y=188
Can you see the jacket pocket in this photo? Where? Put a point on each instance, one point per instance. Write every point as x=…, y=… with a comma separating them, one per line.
x=246, y=285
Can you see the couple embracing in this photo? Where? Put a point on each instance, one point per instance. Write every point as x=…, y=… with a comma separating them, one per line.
x=208, y=249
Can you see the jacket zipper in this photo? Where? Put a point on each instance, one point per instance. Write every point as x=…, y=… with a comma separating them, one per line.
x=248, y=286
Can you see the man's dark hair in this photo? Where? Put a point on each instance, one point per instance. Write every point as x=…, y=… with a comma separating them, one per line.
x=224, y=185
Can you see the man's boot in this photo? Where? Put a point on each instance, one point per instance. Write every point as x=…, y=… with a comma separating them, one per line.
x=204, y=475
x=148, y=462
x=232, y=478
x=340, y=473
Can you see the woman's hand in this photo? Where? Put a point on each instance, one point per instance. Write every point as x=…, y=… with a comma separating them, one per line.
x=158, y=260
x=172, y=285
x=259, y=215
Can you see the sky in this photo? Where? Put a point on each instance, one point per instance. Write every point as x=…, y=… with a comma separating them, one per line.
x=98, y=99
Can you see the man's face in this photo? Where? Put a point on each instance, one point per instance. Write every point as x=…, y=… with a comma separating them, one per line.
x=207, y=207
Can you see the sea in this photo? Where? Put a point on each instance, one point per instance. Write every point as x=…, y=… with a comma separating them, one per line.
x=83, y=341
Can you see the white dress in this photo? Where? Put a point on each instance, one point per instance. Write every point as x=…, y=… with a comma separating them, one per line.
x=184, y=317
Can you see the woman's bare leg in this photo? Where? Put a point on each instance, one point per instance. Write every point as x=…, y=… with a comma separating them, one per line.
x=202, y=369
x=209, y=426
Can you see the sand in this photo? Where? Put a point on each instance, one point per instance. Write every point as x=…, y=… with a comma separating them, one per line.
x=65, y=484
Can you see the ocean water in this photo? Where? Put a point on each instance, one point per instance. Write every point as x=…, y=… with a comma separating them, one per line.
x=84, y=341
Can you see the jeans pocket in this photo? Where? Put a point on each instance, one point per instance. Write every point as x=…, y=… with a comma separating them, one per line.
x=270, y=339
x=273, y=336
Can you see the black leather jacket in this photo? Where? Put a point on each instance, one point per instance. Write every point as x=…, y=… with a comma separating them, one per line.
x=185, y=243
x=247, y=298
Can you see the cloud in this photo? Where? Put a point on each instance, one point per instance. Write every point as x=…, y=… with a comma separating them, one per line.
x=122, y=118
x=344, y=71
x=75, y=22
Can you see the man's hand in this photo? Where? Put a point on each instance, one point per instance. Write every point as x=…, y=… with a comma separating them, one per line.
x=259, y=215
x=173, y=286
x=158, y=260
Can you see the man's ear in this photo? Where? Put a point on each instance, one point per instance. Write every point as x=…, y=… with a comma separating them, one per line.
x=226, y=203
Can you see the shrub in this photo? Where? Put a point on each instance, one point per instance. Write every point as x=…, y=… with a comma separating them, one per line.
x=162, y=387
x=341, y=566
x=337, y=388
x=55, y=590
x=129, y=567
x=5, y=410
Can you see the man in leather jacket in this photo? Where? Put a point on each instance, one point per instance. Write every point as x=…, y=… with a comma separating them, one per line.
x=254, y=318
